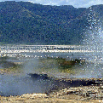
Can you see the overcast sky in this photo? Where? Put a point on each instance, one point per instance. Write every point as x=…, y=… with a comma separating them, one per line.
x=75, y=3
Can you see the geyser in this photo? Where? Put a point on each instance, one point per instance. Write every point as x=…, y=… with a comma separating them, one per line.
x=94, y=40
x=94, y=32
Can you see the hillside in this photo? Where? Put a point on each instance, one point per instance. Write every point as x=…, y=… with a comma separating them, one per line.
x=27, y=23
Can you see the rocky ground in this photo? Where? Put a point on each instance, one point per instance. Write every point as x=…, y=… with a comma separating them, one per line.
x=84, y=94
x=79, y=94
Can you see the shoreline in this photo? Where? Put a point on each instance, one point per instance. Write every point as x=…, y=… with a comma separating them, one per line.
x=90, y=94
x=68, y=94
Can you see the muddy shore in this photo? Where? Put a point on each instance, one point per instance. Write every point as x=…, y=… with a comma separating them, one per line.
x=90, y=91
x=85, y=94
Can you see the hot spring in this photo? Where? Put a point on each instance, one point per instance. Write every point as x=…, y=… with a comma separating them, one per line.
x=91, y=52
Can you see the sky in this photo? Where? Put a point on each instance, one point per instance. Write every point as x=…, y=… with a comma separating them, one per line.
x=75, y=3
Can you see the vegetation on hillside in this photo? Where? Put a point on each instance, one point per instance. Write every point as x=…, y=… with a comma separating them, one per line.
x=27, y=23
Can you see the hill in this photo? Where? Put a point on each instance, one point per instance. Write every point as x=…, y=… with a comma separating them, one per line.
x=27, y=23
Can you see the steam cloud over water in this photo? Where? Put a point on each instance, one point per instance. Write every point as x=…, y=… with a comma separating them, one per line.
x=18, y=85
x=15, y=85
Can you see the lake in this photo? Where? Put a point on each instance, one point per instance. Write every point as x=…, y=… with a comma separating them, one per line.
x=29, y=53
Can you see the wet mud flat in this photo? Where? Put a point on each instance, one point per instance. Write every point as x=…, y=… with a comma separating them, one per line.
x=65, y=83
x=85, y=94
x=61, y=91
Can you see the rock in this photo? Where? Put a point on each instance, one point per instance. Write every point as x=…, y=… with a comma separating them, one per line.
x=91, y=94
x=100, y=92
x=39, y=76
x=34, y=95
x=101, y=87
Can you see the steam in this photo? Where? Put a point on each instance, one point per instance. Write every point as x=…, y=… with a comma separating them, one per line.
x=17, y=85
x=93, y=33
x=94, y=40
x=22, y=84
x=30, y=66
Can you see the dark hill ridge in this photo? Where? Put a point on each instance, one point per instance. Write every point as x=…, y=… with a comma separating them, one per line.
x=27, y=23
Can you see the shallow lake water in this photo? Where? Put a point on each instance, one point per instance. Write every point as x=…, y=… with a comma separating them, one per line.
x=92, y=68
